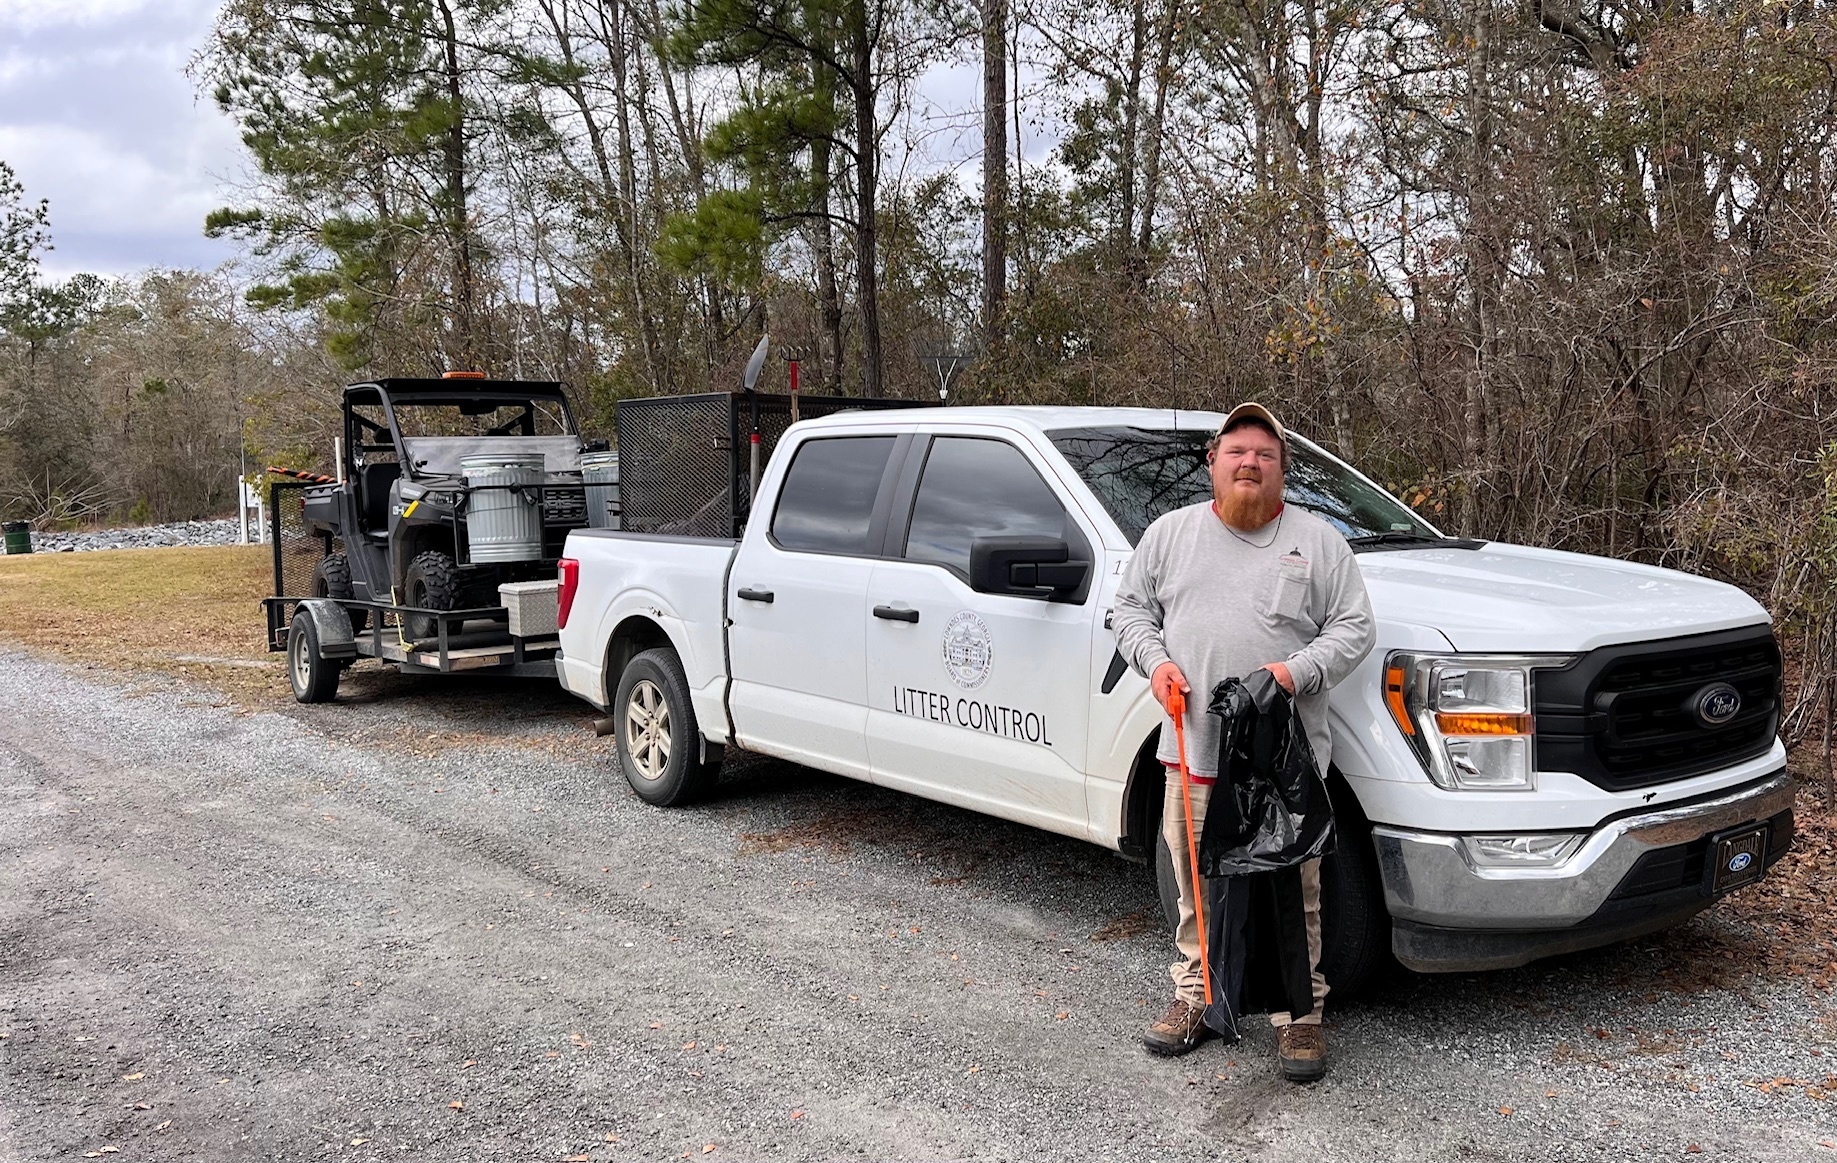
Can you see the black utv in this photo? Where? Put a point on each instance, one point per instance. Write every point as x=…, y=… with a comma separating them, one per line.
x=447, y=488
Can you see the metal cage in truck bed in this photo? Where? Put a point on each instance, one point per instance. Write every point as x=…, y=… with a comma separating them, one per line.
x=683, y=460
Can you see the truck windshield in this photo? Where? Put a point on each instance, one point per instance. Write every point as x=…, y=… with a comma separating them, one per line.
x=1141, y=473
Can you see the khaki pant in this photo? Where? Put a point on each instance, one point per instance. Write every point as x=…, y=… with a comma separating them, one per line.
x=1189, y=979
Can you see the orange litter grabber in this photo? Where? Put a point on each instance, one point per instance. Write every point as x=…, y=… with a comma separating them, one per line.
x=1176, y=707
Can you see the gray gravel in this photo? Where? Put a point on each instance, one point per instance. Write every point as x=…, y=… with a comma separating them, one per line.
x=284, y=932
x=224, y=532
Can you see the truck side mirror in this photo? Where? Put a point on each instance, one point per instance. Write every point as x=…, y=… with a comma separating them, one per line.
x=1027, y=567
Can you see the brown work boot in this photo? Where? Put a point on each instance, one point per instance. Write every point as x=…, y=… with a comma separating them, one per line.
x=1302, y=1050
x=1178, y=1030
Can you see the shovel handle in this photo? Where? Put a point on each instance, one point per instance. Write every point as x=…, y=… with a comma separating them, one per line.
x=1176, y=708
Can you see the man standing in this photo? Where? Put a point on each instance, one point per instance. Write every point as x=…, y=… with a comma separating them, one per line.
x=1216, y=591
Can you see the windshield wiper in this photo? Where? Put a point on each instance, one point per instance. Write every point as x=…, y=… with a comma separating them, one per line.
x=1398, y=537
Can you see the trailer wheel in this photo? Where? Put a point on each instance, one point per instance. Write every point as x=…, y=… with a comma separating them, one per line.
x=658, y=737
x=313, y=676
x=432, y=583
x=332, y=579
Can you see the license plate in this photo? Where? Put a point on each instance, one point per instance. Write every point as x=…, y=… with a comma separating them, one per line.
x=1739, y=856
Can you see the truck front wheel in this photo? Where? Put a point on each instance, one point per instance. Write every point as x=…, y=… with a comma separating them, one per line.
x=1355, y=928
x=659, y=741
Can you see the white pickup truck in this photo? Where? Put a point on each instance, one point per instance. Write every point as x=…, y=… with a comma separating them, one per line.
x=1544, y=751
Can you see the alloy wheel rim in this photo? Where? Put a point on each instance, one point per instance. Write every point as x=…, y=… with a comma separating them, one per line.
x=647, y=730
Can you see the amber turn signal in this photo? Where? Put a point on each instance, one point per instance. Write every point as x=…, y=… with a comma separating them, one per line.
x=1482, y=723
x=1393, y=698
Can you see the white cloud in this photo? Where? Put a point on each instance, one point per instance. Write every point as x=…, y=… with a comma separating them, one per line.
x=97, y=115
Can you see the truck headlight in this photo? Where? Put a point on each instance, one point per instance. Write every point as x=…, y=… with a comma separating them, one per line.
x=1467, y=716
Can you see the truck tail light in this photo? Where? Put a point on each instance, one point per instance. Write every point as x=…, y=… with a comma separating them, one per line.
x=564, y=598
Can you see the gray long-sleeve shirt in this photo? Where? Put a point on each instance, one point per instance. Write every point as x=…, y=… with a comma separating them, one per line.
x=1219, y=606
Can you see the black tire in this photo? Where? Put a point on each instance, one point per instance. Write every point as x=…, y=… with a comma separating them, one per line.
x=431, y=583
x=332, y=579
x=313, y=676
x=1355, y=930
x=1167, y=889
x=1355, y=926
x=659, y=741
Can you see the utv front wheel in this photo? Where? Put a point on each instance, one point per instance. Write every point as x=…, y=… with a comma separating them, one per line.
x=432, y=583
x=658, y=738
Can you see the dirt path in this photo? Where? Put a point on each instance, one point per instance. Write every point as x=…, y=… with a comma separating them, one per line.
x=309, y=933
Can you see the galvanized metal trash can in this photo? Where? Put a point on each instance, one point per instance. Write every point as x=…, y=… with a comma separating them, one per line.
x=599, y=471
x=503, y=520
x=18, y=536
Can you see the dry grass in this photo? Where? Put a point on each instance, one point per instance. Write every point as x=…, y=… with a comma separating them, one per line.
x=190, y=611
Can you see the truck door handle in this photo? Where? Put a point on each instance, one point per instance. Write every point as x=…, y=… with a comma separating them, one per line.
x=893, y=614
x=749, y=594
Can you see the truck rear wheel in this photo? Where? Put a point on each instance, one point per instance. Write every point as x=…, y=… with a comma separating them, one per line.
x=431, y=583
x=313, y=676
x=332, y=579
x=659, y=741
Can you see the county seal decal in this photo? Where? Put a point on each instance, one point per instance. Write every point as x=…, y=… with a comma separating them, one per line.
x=968, y=650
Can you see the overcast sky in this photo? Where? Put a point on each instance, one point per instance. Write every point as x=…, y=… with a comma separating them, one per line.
x=97, y=115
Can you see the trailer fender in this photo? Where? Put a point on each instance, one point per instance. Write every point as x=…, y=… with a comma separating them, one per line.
x=336, y=639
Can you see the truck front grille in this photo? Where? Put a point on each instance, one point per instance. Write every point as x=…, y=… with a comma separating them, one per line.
x=1625, y=716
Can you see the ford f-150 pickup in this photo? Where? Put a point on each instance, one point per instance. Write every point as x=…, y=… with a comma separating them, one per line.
x=921, y=600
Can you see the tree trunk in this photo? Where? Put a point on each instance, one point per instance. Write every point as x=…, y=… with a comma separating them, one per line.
x=867, y=176
x=828, y=294
x=1127, y=148
x=465, y=346
x=994, y=168
x=618, y=52
x=1151, y=163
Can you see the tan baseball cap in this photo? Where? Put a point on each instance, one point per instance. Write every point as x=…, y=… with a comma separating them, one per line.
x=1254, y=411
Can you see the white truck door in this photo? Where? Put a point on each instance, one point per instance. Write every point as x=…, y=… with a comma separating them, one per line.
x=797, y=598
x=973, y=698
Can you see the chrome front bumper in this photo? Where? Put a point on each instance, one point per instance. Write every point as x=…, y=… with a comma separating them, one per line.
x=1449, y=914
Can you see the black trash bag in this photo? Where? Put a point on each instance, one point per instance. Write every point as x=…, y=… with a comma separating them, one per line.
x=1257, y=940
x=1269, y=808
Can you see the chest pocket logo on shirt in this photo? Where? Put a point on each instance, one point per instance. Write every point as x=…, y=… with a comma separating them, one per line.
x=1291, y=597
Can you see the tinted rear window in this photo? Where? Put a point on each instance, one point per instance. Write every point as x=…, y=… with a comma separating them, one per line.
x=827, y=502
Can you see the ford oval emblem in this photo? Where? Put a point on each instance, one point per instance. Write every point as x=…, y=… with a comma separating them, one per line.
x=1716, y=704
x=1740, y=861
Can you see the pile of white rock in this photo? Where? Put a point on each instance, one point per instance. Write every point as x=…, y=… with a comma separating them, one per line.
x=224, y=532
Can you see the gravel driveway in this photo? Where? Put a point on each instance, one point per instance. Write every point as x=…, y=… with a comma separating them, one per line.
x=429, y=919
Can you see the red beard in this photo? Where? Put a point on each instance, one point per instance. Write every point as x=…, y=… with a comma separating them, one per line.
x=1245, y=510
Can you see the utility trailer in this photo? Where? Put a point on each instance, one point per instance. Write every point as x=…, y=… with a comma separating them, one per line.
x=435, y=546
x=401, y=555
